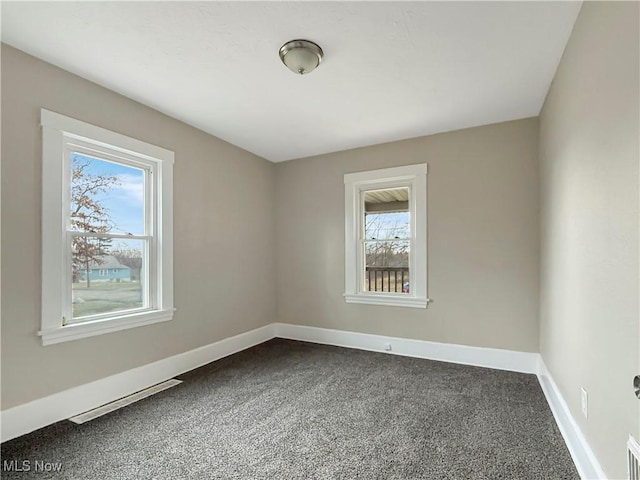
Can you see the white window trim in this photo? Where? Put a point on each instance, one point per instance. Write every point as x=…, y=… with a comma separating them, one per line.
x=414, y=176
x=56, y=131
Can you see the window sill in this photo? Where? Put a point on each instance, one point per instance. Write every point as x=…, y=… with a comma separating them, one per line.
x=388, y=300
x=98, y=327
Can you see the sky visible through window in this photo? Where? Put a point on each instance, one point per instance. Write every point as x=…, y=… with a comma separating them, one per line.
x=123, y=199
x=387, y=225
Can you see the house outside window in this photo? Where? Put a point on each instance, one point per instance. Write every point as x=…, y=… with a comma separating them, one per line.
x=107, y=261
x=386, y=236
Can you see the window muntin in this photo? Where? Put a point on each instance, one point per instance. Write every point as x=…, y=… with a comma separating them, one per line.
x=386, y=244
x=127, y=261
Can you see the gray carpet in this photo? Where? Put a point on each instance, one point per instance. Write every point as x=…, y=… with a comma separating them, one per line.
x=294, y=410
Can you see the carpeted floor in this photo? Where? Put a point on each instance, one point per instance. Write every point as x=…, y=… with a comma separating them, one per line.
x=294, y=410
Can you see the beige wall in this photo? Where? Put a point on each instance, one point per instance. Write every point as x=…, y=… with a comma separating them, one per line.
x=223, y=239
x=483, y=238
x=589, y=156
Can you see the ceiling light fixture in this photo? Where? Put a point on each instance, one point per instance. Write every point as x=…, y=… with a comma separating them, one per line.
x=301, y=56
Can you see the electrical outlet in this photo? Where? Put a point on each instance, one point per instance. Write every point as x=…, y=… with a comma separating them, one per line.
x=585, y=402
x=387, y=347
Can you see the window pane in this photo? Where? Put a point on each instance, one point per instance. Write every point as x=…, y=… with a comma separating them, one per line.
x=387, y=266
x=108, y=275
x=386, y=214
x=106, y=196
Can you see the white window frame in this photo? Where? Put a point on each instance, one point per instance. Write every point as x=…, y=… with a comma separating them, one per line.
x=415, y=178
x=59, y=132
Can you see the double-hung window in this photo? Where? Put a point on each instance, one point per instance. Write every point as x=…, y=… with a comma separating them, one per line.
x=386, y=236
x=107, y=261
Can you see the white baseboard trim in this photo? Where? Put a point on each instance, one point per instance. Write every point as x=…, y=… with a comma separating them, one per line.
x=524, y=362
x=39, y=413
x=583, y=457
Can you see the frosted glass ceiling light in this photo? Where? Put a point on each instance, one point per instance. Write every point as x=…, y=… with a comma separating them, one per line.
x=301, y=56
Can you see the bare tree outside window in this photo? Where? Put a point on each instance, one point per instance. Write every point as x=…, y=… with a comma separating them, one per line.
x=131, y=257
x=88, y=214
x=387, y=240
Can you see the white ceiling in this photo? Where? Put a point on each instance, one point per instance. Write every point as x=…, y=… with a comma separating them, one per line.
x=392, y=70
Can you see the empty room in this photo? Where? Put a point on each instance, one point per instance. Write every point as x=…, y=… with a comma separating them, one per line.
x=320, y=240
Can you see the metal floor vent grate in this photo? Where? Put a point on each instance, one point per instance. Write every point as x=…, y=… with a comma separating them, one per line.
x=633, y=459
x=123, y=402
